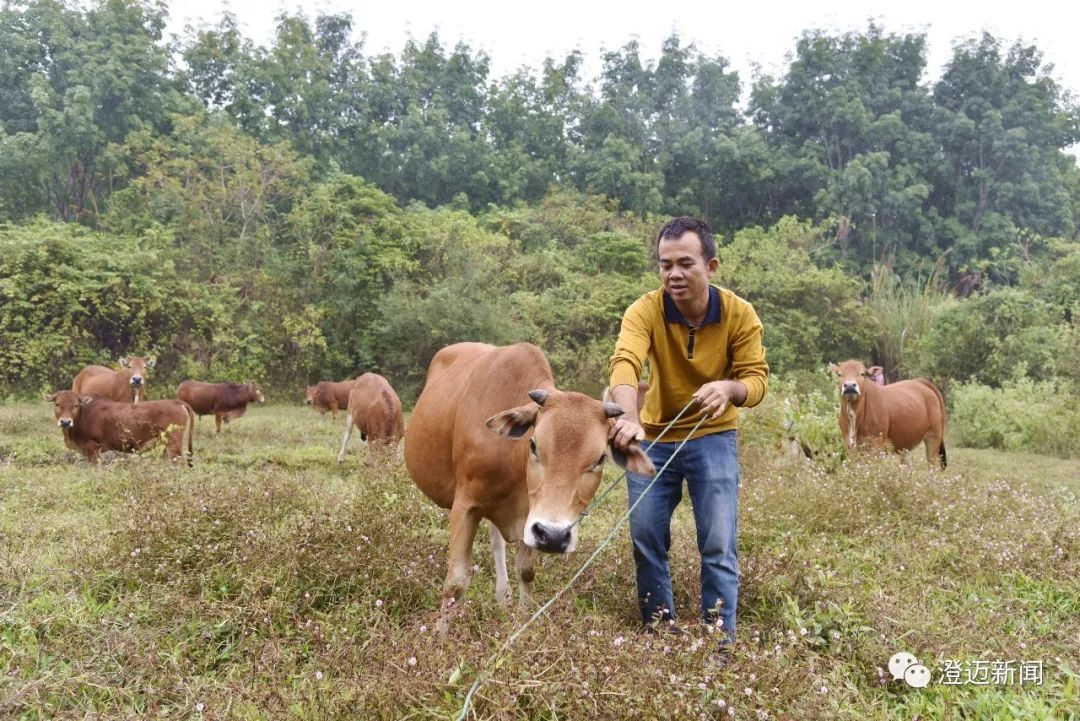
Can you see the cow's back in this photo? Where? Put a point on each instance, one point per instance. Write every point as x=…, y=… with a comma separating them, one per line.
x=104, y=382
x=201, y=396
x=466, y=384
x=904, y=412
x=376, y=408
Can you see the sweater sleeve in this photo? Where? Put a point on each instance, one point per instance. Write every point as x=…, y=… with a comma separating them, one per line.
x=748, y=357
x=632, y=347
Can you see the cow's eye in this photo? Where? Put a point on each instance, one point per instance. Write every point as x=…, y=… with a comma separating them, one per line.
x=532, y=447
x=600, y=462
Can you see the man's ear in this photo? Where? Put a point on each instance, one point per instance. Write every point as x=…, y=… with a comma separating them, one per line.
x=515, y=422
x=634, y=459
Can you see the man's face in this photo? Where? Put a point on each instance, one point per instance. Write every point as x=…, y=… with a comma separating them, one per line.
x=683, y=270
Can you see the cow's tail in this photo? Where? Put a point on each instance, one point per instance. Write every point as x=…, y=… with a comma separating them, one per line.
x=941, y=403
x=190, y=434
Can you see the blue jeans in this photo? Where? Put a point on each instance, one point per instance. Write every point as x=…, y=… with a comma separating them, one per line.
x=710, y=465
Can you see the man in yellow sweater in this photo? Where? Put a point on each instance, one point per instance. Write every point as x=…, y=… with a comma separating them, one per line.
x=702, y=343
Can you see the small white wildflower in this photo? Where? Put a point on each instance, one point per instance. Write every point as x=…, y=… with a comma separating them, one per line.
x=379, y=602
x=803, y=632
x=412, y=660
x=824, y=689
x=423, y=628
x=199, y=707
x=318, y=675
x=748, y=691
x=618, y=641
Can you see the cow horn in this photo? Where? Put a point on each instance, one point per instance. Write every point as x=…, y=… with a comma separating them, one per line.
x=613, y=410
x=539, y=396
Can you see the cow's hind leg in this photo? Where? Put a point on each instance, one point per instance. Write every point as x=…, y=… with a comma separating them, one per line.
x=345, y=440
x=502, y=580
x=935, y=450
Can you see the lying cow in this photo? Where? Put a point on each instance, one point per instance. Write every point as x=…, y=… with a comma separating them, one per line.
x=901, y=415
x=227, y=401
x=375, y=409
x=92, y=424
x=329, y=396
x=127, y=385
x=491, y=437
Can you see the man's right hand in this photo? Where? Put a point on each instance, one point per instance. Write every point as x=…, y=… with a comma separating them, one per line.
x=627, y=428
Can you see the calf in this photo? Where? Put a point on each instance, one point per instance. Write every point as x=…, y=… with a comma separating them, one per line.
x=901, y=415
x=127, y=385
x=375, y=409
x=227, y=401
x=492, y=437
x=92, y=425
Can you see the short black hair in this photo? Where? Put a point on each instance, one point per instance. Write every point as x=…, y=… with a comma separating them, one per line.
x=687, y=224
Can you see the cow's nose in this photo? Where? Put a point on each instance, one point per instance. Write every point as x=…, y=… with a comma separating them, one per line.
x=65, y=423
x=851, y=389
x=136, y=380
x=553, y=539
x=307, y=402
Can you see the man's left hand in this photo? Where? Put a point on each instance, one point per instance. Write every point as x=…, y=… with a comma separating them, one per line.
x=713, y=398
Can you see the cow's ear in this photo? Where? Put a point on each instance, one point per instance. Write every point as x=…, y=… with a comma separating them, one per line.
x=150, y=362
x=634, y=459
x=84, y=401
x=515, y=422
x=873, y=371
x=48, y=397
x=834, y=368
x=124, y=362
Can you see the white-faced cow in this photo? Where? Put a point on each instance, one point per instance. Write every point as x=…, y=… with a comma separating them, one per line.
x=92, y=424
x=491, y=437
x=375, y=410
x=901, y=415
x=227, y=401
x=329, y=396
x=127, y=385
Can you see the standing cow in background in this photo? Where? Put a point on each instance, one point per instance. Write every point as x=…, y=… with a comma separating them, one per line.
x=375, y=409
x=127, y=385
x=227, y=401
x=329, y=396
x=92, y=425
x=901, y=415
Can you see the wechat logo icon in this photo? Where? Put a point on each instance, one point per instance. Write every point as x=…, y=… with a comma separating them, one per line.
x=905, y=666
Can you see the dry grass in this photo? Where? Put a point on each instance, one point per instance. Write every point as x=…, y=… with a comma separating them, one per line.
x=269, y=582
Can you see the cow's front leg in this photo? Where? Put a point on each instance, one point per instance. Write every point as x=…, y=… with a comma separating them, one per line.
x=463, y=523
x=525, y=565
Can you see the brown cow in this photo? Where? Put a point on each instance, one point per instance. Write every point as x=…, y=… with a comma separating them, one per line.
x=901, y=415
x=92, y=425
x=375, y=409
x=329, y=396
x=227, y=401
x=478, y=445
x=127, y=385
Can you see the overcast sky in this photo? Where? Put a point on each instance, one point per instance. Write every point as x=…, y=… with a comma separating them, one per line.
x=748, y=33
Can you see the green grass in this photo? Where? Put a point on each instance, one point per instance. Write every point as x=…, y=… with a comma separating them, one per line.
x=270, y=582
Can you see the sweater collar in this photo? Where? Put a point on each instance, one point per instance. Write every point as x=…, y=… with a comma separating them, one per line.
x=672, y=314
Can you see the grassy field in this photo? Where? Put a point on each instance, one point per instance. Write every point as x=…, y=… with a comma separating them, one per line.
x=270, y=582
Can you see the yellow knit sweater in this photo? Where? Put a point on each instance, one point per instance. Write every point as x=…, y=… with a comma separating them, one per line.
x=727, y=345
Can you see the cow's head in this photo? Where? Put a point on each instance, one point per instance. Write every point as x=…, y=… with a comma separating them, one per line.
x=567, y=448
x=254, y=394
x=310, y=393
x=138, y=367
x=850, y=372
x=66, y=407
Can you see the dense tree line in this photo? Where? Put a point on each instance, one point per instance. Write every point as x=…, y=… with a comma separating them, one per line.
x=307, y=210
